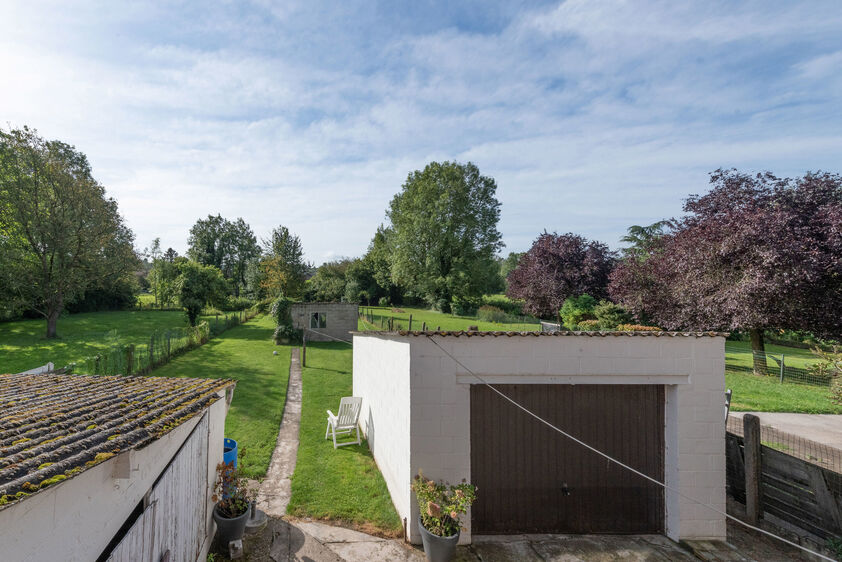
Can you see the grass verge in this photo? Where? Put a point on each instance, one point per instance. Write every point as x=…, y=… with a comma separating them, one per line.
x=343, y=484
x=244, y=353
x=753, y=393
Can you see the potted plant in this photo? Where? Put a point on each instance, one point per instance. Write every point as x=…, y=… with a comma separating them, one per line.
x=233, y=497
x=440, y=506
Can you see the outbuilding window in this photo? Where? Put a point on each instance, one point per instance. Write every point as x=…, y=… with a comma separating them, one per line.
x=318, y=320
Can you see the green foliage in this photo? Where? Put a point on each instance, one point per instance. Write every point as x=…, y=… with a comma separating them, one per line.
x=444, y=233
x=281, y=311
x=510, y=306
x=610, y=315
x=232, y=492
x=328, y=284
x=284, y=268
x=488, y=313
x=829, y=365
x=59, y=233
x=237, y=303
x=464, y=306
x=642, y=240
x=508, y=264
x=576, y=309
x=198, y=285
x=588, y=326
x=227, y=245
x=286, y=334
x=441, y=505
x=383, y=301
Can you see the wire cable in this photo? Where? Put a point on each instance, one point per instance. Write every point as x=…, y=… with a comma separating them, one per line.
x=623, y=465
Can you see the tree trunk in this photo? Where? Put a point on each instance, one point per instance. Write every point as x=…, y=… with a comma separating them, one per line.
x=52, y=322
x=758, y=351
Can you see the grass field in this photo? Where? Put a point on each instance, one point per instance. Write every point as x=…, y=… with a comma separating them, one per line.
x=766, y=394
x=23, y=345
x=244, y=353
x=738, y=353
x=434, y=320
x=343, y=484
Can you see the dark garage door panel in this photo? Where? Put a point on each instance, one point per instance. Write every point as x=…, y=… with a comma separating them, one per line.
x=531, y=479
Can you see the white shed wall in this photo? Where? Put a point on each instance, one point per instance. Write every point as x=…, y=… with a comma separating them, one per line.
x=380, y=377
x=691, y=368
x=77, y=518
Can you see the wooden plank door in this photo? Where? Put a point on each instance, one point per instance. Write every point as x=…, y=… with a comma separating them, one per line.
x=531, y=479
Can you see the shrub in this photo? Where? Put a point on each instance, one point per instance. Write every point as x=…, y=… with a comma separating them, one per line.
x=576, y=309
x=637, y=328
x=441, y=505
x=504, y=303
x=237, y=303
x=264, y=306
x=488, y=313
x=610, y=315
x=383, y=301
x=281, y=311
x=589, y=325
x=463, y=307
x=287, y=334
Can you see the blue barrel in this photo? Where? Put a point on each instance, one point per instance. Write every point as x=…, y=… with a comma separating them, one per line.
x=229, y=452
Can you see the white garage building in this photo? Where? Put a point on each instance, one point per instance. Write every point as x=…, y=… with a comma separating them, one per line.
x=653, y=400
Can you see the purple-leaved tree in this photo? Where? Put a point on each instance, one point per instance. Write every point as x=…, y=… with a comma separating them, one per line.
x=556, y=267
x=756, y=253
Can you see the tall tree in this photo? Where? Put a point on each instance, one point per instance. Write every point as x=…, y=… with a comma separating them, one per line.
x=755, y=253
x=557, y=267
x=61, y=234
x=243, y=249
x=198, y=285
x=208, y=241
x=642, y=240
x=445, y=235
x=284, y=268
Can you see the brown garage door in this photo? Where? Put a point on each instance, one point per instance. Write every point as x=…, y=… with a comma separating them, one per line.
x=531, y=479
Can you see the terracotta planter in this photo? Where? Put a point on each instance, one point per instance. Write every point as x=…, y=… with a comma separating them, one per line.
x=229, y=529
x=438, y=549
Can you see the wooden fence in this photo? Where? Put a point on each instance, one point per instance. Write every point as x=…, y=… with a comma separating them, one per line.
x=769, y=482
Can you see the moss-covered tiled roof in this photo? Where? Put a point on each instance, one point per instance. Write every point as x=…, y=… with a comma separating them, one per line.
x=53, y=427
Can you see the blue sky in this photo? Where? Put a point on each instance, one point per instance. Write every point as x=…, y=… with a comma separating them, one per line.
x=591, y=115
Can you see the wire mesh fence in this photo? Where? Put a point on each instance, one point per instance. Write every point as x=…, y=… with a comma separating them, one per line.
x=162, y=346
x=790, y=368
x=378, y=319
x=794, y=445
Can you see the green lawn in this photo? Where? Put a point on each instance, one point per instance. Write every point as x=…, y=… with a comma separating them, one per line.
x=738, y=353
x=23, y=345
x=244, y=353
x=766, y=394
x=434, y=320
x=343, y=484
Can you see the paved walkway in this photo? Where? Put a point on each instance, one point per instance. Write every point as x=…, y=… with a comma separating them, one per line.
x=276, y=488
x=822, y=428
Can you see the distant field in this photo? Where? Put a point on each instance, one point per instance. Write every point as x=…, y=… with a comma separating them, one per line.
x=434, y=320
x=766, y=394
x=738, y=353
x=23, y=345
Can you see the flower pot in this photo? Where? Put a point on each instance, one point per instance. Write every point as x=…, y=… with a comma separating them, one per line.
x=230, y=529
x=438, y=549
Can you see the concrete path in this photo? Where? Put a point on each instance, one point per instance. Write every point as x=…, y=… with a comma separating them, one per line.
x=821, y=428
x=276, y=488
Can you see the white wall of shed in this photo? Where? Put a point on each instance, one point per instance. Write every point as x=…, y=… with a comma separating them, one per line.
x=380, y=377
x=691, y=368
x=77, y=518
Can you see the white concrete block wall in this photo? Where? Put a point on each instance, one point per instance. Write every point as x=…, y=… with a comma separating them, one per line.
x=340, y=319
x=691, y=368
x=381, y=378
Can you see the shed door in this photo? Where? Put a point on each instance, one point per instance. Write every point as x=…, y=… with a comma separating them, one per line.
x=531, y=479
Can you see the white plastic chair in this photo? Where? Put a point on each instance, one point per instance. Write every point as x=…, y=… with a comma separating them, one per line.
x=346, y=421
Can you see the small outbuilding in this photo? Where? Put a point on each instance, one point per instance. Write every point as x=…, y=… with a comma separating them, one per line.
x=652, y=400
x=325, y=321
x=109, y=468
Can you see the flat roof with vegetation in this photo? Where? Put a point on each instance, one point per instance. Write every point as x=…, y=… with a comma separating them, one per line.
x=53, y=427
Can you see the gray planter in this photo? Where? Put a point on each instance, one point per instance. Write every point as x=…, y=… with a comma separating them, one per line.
x=438, y=549
x=230, y=529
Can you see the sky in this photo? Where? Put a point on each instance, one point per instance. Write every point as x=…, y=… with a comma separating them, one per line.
x=591, y=115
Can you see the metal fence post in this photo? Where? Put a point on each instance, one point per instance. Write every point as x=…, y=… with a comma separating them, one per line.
x=782, y=368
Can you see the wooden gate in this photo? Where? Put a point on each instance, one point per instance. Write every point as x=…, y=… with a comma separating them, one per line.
x=175, y=518
x=531, y=479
